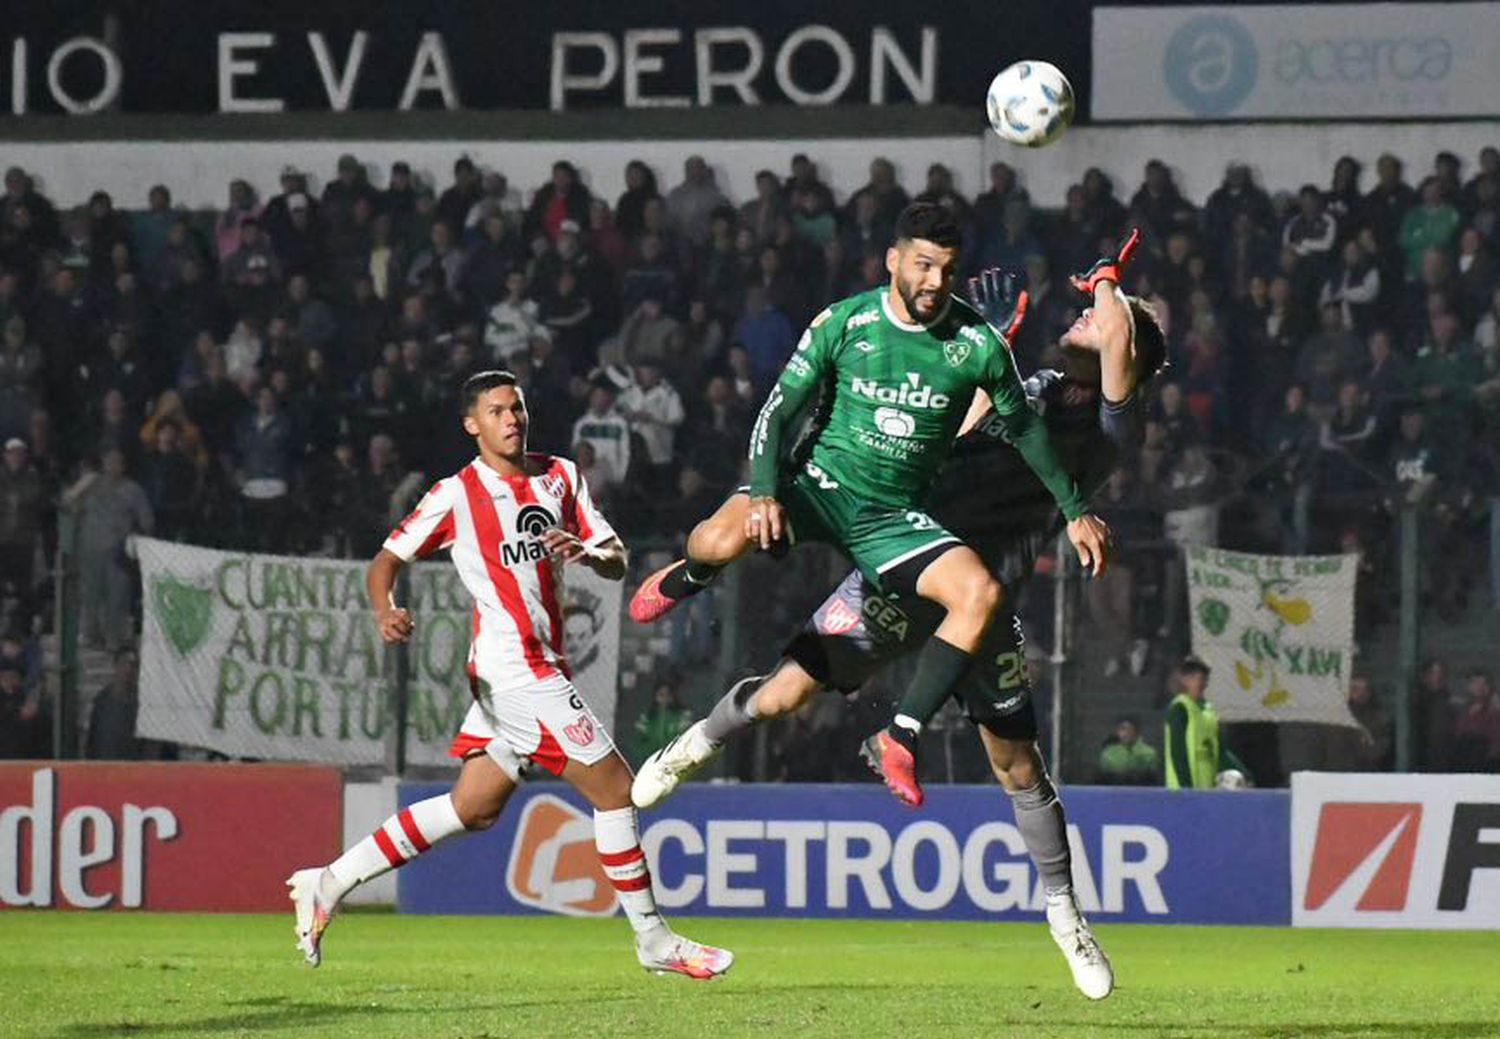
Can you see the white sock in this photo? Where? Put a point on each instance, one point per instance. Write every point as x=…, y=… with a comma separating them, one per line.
x=625, y=864
x=908, y=723
x=400, y=839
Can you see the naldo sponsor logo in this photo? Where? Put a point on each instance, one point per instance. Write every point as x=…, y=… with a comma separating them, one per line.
x=909, y=394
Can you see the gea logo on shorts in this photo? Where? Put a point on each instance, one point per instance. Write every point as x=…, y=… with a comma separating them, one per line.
x=553, y=863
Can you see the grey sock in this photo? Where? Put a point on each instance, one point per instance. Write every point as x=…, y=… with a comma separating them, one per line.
x=735, y=711
x=1044, y=828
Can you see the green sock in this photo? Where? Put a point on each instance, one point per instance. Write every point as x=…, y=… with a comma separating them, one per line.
x=939, y=667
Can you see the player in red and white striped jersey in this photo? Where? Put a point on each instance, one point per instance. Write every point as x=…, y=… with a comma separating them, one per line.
x=512, y=521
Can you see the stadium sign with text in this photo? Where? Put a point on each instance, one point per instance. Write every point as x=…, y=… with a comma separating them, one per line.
x=177, y=836
x=1278, y=632
x=1306, y=61
x=828, y=850
x=1379, y=850
x=278, y=657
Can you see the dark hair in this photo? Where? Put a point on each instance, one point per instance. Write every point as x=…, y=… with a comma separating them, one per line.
x=1150, y=343
x=481, y=383
x=1192, y=665
x=931, y=222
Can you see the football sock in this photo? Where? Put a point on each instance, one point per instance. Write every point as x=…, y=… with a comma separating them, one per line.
x=688, y=579
x=939, y=667
x=624, y=862
x=400, y=839
x=735, y=711
x=1044, y=828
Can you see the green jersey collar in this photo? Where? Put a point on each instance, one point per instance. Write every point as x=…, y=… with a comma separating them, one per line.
x=908, y=326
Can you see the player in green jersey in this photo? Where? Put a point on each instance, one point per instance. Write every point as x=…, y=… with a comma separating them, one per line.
x=898, y=369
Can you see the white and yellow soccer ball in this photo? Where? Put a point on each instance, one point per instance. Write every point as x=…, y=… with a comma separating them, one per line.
x=1030, y=103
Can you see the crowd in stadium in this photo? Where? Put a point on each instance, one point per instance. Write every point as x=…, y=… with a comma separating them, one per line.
x=282, y=374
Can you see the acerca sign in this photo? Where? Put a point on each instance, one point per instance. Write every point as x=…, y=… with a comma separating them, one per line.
x=826, y=850
x=162, y=836
x=1396, y=851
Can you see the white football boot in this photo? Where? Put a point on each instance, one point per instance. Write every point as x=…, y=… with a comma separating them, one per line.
x=663, y=952
x=1092, y=972
x=661, y=773
x=313, y=912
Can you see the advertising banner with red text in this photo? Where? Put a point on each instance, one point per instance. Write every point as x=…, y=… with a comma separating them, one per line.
x=162, y=835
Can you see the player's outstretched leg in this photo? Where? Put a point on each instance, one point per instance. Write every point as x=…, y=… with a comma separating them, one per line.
x=658, y=949
x=713, y=545
x=474, y=803
x=1044, y=828
x=748, y=702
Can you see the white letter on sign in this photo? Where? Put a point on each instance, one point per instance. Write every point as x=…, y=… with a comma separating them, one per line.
x=73, y=861
x=562, y=42
x=133, y=849
x=796, y=836
x=722, y=863
x=685, y=834
x=884, y=50
x=339, y=86
x=842, y=52
x=1142, y=871
x=232, y=67
x=739, y=80
x=429, y=71
x=1012, y=875
x=866, y=869
x=638, y=64
x=39, y=815
x=904, y=865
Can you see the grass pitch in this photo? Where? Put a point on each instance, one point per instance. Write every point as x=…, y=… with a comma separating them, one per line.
x=80, y=976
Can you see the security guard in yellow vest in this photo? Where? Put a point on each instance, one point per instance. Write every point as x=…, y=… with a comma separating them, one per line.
x=1194, y=753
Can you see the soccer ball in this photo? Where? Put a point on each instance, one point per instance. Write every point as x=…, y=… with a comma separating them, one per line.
x=1231, y=779
x=1030, y=103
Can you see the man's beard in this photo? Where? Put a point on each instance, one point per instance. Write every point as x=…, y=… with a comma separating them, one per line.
x=910, y=299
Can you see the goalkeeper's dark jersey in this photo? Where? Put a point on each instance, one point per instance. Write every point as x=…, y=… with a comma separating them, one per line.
x=987, y=495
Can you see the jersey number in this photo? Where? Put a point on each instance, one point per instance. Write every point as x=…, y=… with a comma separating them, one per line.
x=921, y=521
x=1011, y=671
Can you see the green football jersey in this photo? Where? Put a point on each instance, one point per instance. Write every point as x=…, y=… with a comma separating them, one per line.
x=894, y=396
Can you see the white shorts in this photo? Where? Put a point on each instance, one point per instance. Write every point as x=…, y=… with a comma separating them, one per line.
x=546, y=721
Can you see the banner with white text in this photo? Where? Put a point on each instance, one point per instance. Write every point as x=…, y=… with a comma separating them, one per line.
x=277, y=657
x=1278, y=632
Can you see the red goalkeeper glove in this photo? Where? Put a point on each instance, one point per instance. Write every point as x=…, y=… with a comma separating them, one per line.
x=1108, y=268
x=995, y=296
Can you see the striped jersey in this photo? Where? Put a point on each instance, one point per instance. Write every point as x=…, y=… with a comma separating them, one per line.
x=494, y=525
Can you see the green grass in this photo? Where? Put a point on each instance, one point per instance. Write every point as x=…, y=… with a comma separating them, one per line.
x=79, y=975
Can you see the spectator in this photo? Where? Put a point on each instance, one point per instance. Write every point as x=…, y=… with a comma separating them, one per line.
x=940, y=191
x=1099, y=202
x=22, y=505
x=1476, y=275
x=1238, y=194
x=1313, y=232
x=865, y=233
x=890, y=197
x=111, y=508
x=650, y=335
x=640, y=188
x=654, y=410
x=804, y=177
x=171, y=481
x=20, y=376
x=1367, y=748
x=1288, y=449
x=1345, y=203
x=1354, y=285
x=112, y=716
x=513, y=321
x=561, y=198
x=1112, y=598
x=348, y=187
x=767, y=337
x=652, y=275
x=1476, y=730
x=691, y=203
x=263, y=448
x=1128, y=760
x=1195, y=754
x=1327, y=359
x=760, y=214
x=989, y=206
x=662, y=722
x=1431, y=225
x=25, y=729
x=1160, y=205
x=607, y=433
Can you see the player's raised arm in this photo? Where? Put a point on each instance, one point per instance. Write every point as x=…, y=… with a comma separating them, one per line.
x=1115, y=324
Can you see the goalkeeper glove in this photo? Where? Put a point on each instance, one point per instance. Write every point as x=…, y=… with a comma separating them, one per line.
x=997, y=298
x=1108, y=269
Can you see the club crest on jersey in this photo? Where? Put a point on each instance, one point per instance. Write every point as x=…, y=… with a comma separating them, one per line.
x=554, y=485
x=581, y=732
x=839, y=619
x=956, y=353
